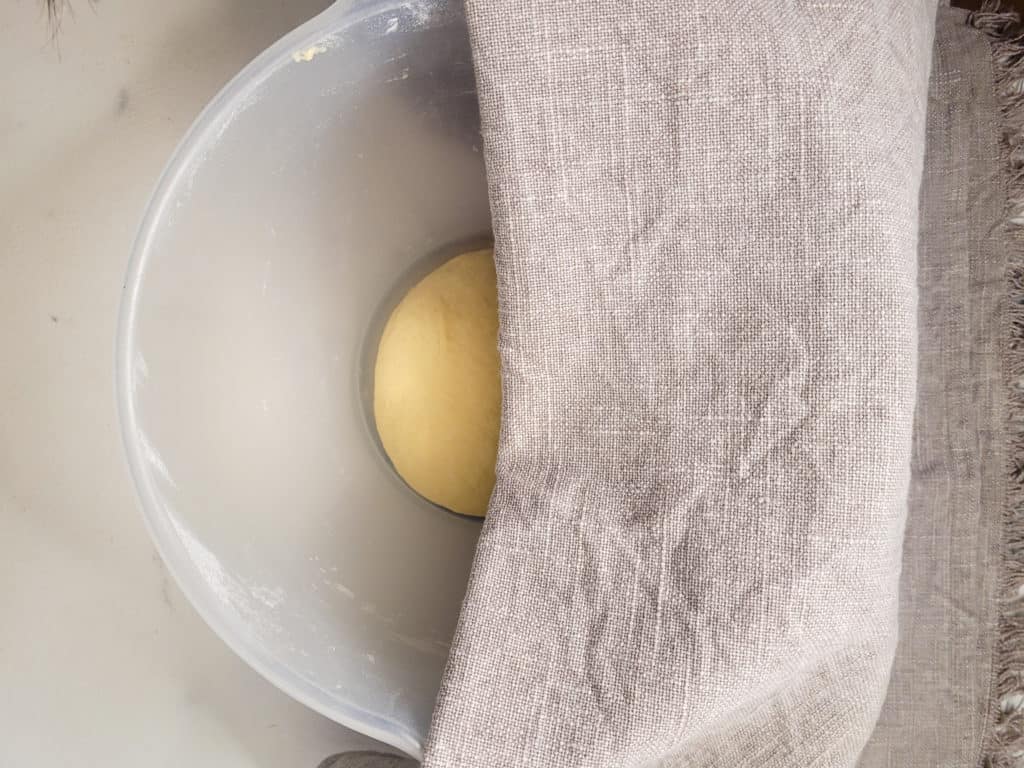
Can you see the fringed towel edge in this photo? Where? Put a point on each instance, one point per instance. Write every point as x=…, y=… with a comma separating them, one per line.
x=1004, y=741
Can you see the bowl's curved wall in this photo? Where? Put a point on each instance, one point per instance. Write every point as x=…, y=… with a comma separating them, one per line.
x=308, y=190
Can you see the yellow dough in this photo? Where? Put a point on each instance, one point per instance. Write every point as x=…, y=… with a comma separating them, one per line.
x=437, y=385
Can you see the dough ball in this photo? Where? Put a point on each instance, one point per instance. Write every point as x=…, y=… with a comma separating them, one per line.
x=437, y=384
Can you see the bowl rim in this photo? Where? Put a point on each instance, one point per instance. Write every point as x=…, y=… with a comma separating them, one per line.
x=215, y=118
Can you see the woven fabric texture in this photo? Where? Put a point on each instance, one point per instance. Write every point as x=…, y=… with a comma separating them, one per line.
x=713, y=343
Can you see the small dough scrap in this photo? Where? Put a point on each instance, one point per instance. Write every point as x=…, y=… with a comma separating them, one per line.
x=437, y=384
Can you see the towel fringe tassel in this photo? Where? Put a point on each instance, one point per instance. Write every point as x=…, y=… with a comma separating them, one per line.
x=1005, y=742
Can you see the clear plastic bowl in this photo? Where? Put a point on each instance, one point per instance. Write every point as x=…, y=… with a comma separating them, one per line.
x=323, y=179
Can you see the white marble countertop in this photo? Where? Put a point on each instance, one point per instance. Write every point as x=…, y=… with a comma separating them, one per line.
x=102, y=662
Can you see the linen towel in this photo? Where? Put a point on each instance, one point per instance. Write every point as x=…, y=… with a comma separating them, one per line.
x=939, y=705
x=720, y=358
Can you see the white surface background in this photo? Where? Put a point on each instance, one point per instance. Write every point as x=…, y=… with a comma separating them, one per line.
x=102, y=662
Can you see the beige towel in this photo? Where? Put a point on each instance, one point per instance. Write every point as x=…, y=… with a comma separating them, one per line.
x=722, y=349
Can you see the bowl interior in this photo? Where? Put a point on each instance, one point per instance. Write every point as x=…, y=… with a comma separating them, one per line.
x=338, y=166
